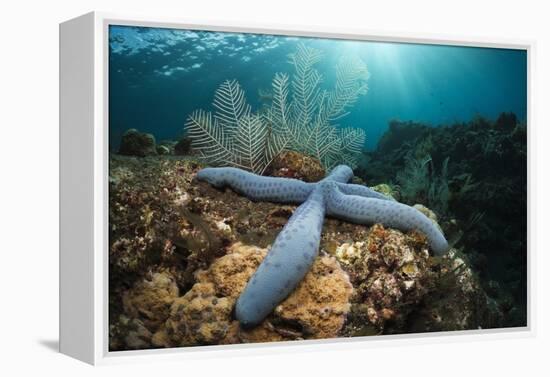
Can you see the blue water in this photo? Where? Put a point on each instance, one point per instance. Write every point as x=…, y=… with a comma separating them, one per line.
x=157, y=77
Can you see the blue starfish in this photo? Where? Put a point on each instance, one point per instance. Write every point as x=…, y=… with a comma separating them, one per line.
x=296, y=247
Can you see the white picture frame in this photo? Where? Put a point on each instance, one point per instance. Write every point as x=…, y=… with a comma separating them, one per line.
x=84, y=190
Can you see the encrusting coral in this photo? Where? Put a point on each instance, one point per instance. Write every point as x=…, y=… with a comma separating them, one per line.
x=150, y=299
x=316, y=309
x=290, y=164
x=128, y=333
x=401, y=288
x=390, y=271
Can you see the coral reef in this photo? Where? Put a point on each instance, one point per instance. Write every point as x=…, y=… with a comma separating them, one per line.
x=387, y=190
x=473, y=169
x=295, y=247
x=400, y=288
x=135, y=143
x=290, y=164
x=458, y=302
x=152, y=228
x=299, y=118
x=320, y=303
x=392, y=273
x=149, y=300
x=177, y=268
x=199, y=317
x=316, y=309
x=128, y=334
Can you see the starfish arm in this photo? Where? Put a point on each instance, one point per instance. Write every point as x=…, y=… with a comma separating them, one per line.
x=389, y=213
x=257, y=187
x=360, y=190
x=285, y=265
x=341, y=173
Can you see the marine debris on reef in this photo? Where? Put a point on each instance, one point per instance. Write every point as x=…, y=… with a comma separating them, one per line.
x=301, y=117
x=295, y=248
x=180, y=248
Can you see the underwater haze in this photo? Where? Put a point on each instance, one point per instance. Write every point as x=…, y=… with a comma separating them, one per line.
x=157, y=77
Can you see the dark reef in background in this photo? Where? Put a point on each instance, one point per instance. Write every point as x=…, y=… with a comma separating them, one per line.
x=483, y=169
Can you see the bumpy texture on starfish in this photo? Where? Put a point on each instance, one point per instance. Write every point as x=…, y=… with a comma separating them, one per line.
x=296, y=247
